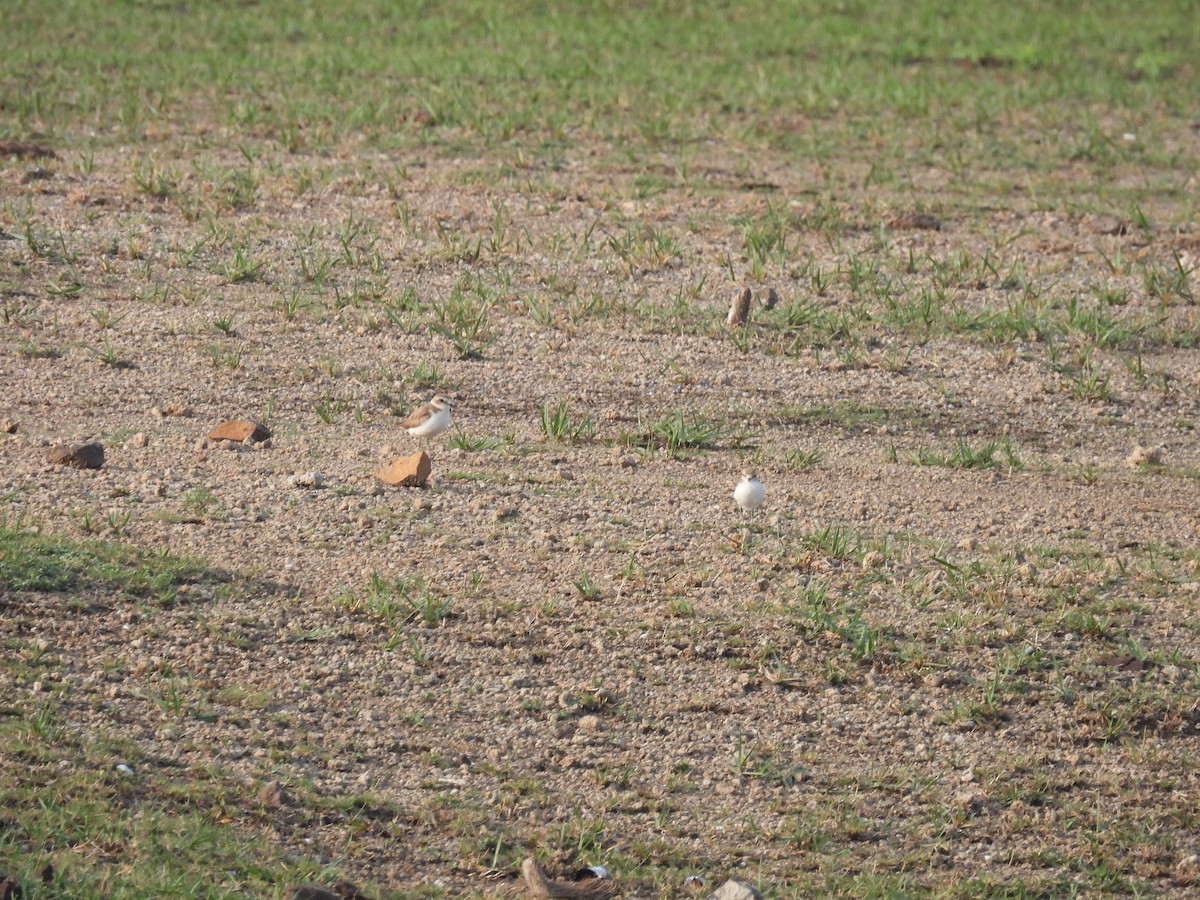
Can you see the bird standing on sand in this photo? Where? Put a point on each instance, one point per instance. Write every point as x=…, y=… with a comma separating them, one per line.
x=749, y=492
x=429, y=420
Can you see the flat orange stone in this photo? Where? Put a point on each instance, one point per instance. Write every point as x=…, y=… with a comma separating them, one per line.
x=239, y=430
x=407, y=471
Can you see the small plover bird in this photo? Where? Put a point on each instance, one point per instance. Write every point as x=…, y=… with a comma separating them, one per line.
x=749, y=492
x=429, y=420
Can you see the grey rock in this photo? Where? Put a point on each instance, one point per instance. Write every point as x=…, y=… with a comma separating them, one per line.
x=312, y=892
x=80, y=456
x=736, y=890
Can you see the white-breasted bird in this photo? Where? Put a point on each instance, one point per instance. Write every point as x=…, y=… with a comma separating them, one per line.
x=750, y=492
x=429, y=420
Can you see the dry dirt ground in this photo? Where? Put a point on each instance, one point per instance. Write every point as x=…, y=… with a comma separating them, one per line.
x=922, y=674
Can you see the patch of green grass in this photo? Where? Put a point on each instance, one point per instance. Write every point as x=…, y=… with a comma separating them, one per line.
x=802, y=460
x=159, y=182
x=557, y=424
x=767, y=763
x=112, y=357
x=427, y=375
x=222, y=358
x=990, y=455
x=660, y=77
x=679, y=432
x=243, y=268
x=29, y=350
x=460, y=440
x=462, y=318
x=202, y=502
x=38, y=562
x=138, y=833
x=587, y=589
x=396, y=602
x=848, y=415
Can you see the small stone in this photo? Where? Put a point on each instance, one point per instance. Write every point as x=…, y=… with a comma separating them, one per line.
x=312, y=892
x=629, y=461
x=1144, y=456
x=177, y=410
x=139, y=440
x=736, y=890
x=306, y=479
x=407, y=471
x=769, y=298
x=603, y=696
x=8, y=426
x=271, y=795
x=739, y=310
x=239, y=430
x=968, y=801
x=88, y=455
x=1107, y=225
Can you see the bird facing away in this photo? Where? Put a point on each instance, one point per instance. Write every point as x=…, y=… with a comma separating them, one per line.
x=431, y=419
x=749, y=492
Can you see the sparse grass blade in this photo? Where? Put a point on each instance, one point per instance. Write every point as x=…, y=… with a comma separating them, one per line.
x=558, y=425
x=998, y=454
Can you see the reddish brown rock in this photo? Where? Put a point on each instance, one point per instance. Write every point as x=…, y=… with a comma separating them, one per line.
x=79, y=456
x=407, y=471
x=240, y=430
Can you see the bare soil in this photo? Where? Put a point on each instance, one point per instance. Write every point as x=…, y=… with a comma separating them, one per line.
x=685, y=711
